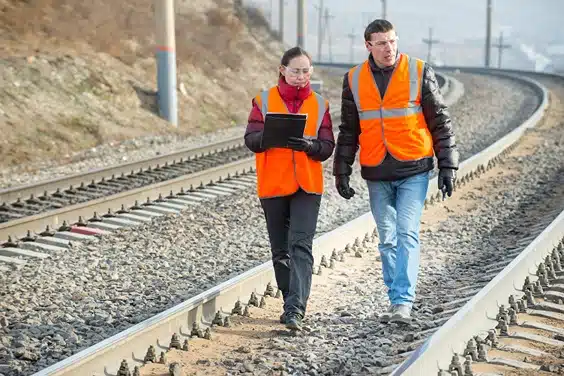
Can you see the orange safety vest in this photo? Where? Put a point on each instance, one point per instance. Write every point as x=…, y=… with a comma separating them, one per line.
x=394, y=123
x=281, y=171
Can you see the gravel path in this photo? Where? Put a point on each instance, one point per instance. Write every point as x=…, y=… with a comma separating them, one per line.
x=498, y=212
x=81, y=296
x=483, y=219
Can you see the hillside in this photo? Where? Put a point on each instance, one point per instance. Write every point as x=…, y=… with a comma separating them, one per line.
x=74, y=75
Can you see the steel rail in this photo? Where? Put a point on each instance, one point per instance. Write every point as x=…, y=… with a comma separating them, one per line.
x=132, y=344
x=105, y=357
x=49, y=186
x=434, y=354
x=20, y=227
x=55, y=218
x=475, y=315
x=17, y=227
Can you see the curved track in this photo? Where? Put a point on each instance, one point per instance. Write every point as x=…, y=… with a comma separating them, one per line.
x=107, y=356
x=511, y=321
x=74, y=201
x=29, y=200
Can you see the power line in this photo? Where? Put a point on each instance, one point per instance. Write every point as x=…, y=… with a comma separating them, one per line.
x=500, y=47
x=319, y=29
x=352, y=36
x=429, y=42
x=368, y=17
x=270, y=14
x=327, y=28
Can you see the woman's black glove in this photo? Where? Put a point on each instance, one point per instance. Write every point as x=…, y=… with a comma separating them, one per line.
x=302, y=144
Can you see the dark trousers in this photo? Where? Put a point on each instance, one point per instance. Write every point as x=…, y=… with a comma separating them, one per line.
x=291, y=222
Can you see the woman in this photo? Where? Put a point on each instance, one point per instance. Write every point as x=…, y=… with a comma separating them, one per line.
x=290, y=180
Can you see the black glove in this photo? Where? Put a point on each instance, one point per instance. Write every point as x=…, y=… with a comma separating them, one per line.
x=342, y=185
x=253, y=141
x=446, y=180
x=301, y=144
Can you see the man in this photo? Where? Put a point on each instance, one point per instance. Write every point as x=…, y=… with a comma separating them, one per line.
x=392, y=108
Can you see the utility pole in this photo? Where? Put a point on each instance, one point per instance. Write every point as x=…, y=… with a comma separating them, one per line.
x=166, y=60
x=319, y=29
x=352, y=37
x=500, y=47
x=281, y=21
x=302, y=26
x=327, y=28
x=488, y=32
x=384, y=9
x=271, y=12
x=368, y=17
x=429, y=42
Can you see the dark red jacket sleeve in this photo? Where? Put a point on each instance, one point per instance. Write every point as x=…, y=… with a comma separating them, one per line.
x=325, y=139
x=255, y=126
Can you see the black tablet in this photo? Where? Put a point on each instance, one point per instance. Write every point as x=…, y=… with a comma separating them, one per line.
x=279, y=127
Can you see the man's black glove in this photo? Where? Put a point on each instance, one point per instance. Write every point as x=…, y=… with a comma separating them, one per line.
x=302, y=144
x=342, y=185
x=446, y=181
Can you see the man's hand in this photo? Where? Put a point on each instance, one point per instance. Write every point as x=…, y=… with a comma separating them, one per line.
x=446, y=181
x=301, y=144
x=342, y=185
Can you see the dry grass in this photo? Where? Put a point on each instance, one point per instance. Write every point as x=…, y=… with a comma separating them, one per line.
x=74, y=74
x=125, y=29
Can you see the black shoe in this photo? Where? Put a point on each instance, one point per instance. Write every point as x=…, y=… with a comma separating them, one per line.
x=293, y=321
x=283, y=318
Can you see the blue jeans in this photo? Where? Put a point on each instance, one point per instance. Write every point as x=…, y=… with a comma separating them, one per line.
x=397, y=207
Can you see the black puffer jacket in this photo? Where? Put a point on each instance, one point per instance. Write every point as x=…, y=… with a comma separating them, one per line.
x=436, y=117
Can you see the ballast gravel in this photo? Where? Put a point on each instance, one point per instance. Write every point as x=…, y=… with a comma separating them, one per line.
x=51, y=310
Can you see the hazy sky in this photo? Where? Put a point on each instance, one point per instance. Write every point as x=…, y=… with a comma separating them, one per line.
x=537, y=23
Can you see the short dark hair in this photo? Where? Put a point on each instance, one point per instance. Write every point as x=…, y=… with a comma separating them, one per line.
x=292, y=53
x=377, y=26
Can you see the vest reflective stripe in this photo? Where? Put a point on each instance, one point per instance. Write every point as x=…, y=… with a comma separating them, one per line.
x=414, y=80
x=281, y=171
x=377, y=114
x=321, y=108
x=264, y=99
x=353, y=83
x=393, y=123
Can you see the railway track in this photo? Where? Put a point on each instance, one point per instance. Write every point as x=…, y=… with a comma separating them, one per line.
x=21, y=203
x=36, y=218
x=509, y=320
x=27, y=201
x=506, y=315
x=132, y=346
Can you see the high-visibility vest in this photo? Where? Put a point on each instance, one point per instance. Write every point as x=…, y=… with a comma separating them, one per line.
x=282, y=171
x=394, y=123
